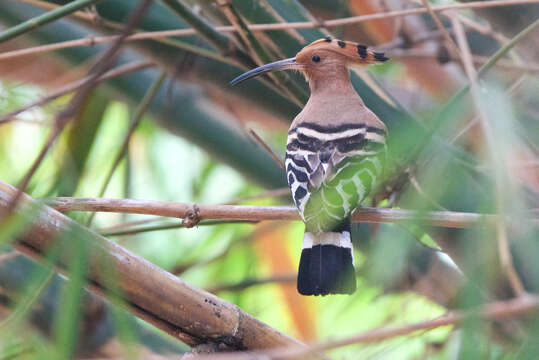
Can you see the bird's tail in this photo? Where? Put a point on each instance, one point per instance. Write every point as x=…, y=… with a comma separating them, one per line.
x=327, y=264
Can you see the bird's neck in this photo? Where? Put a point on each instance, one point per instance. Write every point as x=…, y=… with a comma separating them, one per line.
x=330, y=84
x=333, y=100
x=332, y=93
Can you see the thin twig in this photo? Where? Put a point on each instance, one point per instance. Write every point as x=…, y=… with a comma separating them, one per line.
x=507, y=47
x=482, y=29
x=259, y=53
x=89, y=15
x=213, y=36
x=442, y=28
x=247, y=283
x=259, y=213
x=51, y=6
x=266, y=147
x=43, y=19
x=119, y=71
x=487, y=30
x=89, y=41
x=248, y=40
x=161, y=36
x=501, y=230
x=169, y=226
x=127, y=225
x=421, y=192
x=477, y=59
x=400, y=42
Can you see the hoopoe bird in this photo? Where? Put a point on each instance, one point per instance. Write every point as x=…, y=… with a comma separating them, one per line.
x=334, y=155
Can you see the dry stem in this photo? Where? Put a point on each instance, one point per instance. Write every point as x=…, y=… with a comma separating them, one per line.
x=266, y=147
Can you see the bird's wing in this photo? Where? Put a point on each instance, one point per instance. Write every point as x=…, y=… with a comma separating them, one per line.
x=330, y=170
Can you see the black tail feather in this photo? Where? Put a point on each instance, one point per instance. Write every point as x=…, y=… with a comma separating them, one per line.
x=304, y=273
x=326, y=269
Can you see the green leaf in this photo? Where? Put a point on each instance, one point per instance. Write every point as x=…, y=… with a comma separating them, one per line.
x=429, y=242
x=67, y=321
x=80, y=138
x=17, y=223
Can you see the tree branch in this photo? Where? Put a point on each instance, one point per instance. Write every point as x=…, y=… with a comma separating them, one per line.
x=184, y=311
x=451, y=219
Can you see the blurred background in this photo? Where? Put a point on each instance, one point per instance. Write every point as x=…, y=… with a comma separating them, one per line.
x=168, y=127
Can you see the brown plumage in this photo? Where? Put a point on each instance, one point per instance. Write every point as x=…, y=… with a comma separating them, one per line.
x=333, y=99
x=334, y=155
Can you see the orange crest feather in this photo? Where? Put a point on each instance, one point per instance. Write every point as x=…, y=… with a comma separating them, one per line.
x=357, y=53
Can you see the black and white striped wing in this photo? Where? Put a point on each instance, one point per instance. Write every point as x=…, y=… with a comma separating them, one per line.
x=330, y=170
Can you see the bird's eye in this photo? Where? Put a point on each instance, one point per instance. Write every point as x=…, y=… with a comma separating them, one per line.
x=316, y=58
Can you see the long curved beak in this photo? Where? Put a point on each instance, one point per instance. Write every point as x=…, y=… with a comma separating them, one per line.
x=274, y=66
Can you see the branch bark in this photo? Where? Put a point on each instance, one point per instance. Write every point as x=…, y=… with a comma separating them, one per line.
x=192, y=315
x=450, y=219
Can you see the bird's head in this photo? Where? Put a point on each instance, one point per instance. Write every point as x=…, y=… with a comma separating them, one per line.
x=320, y=59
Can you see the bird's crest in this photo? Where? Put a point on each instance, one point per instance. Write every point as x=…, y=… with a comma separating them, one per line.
x=357, y=53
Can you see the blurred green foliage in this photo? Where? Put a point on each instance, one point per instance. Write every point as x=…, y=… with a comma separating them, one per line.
x=214, y=162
